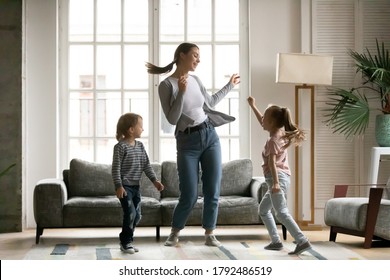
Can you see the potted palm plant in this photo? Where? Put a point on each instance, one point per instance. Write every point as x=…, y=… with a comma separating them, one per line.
x=349, y=110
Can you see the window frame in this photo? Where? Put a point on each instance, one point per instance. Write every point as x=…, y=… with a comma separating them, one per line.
x=154, y=103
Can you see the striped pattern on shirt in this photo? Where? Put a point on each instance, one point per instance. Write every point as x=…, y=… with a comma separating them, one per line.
x=129, y=162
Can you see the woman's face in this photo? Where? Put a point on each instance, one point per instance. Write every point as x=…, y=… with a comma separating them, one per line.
x=191, y=60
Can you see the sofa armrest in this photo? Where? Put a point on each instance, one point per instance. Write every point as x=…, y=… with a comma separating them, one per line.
x=255, y=187
x=374, y=202
x=50, y=196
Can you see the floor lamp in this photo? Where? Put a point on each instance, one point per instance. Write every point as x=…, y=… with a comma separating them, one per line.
x=305, y=71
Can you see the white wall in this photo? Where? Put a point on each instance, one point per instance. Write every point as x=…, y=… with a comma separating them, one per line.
x=275, y=26
x=41, y=100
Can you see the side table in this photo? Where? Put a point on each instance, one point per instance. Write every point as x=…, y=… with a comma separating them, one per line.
x=376, y=154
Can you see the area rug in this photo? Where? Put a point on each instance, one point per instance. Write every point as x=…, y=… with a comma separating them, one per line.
x=90, y=249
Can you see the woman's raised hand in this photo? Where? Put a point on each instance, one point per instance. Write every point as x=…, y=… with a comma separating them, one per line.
x=235, y=79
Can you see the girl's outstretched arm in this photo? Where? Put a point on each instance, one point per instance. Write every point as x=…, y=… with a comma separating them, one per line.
x=258, y=114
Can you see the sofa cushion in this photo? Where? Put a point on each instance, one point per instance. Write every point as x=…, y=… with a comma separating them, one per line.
x=386, y=190
x=238, y=210
x=90, y=179
x=92, y=211
x=150, y=212
x=236, y=177
x=382, y=228
x=147, y=187
x=168, y=205
x=232, y=210
x=107, y=211
x=170, y=180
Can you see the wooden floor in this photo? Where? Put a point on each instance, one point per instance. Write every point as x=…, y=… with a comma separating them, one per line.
x=13, y=246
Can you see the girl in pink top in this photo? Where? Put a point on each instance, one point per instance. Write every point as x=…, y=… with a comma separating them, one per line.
x=282, y=133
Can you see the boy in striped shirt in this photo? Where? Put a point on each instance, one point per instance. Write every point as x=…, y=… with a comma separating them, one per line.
x=129, y=161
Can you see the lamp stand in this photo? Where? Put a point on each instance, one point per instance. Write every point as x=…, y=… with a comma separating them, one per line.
x=304, y=159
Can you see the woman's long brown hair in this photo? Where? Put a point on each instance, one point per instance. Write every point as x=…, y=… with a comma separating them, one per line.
x=182, y=48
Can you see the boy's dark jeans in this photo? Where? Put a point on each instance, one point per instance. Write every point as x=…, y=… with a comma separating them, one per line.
x=131, y=207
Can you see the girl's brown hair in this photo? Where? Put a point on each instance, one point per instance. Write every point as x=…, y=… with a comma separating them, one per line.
x=182, y=48
x=124, y=123
x=282, y=118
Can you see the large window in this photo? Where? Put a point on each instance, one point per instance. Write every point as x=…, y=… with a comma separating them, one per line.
x=105, y=44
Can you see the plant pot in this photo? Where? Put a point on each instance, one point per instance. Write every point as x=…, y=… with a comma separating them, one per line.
x=382, y=130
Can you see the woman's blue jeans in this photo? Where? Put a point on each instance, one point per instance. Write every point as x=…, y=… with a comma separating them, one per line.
x=200, y=149
x=278, y=202
x=131, y=207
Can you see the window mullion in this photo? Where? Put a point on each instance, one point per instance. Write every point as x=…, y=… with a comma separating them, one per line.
x=94, y=90
x=244, y=90
x=122, y=89
x=185, y=20
x=158, y=133
x=154, y=31
x=64, y=84
x=213, y=86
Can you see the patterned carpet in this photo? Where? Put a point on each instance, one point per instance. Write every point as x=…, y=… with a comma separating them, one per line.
x=189, y=248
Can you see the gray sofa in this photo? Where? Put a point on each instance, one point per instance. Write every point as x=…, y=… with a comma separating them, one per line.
x=85, y=197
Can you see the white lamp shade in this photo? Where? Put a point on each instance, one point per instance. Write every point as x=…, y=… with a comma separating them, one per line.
x=304, y=69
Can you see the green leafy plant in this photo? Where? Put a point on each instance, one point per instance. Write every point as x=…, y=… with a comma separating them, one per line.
x=349, y=110
x=2, y=173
